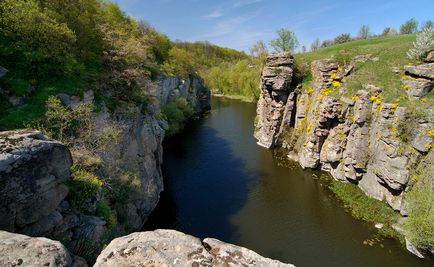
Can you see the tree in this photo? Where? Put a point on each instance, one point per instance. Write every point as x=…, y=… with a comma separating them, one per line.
x=342, y=38
x=259, y=50
x=286, y=41
x=423, y=44
x=410, y=26
x=303, y=49
x=364, y=32
x=315, y=45
x=427, y=24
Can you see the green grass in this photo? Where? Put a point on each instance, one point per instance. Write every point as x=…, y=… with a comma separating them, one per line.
x=365, y=208
x=390, y=51
x=34, y=109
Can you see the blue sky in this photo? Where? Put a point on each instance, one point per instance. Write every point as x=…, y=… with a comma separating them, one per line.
x=240, y=23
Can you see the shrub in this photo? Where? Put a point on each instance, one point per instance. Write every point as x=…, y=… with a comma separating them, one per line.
x=83, y=186
x=342, y=38
x=181, y=62
x=103, y=210
x=177, y=113
x=424, y=43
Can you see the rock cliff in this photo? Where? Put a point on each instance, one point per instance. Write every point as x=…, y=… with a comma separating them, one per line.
x=35, y=170
x=275, y=81
x=362, y=140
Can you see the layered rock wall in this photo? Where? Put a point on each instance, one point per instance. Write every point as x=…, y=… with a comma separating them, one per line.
x=357, y=140
x=275, y=88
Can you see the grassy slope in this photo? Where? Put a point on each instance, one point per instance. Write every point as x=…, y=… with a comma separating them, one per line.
x=391, y=52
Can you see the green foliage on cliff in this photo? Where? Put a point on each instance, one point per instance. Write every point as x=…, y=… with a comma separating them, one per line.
x=366, y=208
x=176, y=114
x=52, y=46
x=420, y=223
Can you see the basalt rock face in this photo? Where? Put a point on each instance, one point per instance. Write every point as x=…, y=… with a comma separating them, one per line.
x=276, y=79
x=33, y=170
x=357, y=140
x=172, y=248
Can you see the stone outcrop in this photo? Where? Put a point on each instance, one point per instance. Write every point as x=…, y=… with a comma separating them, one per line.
x=33, y=170
x=21, y=250
x=276, y=79
x=419, y=80
x=356, y=140
x=168, y=89
x=172, y=248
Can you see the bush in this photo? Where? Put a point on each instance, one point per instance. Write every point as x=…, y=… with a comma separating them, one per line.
x=83, y=186
x=424, y=43
x=103, y=210
x=177, y=113
x=181, y=62
x=342, y=38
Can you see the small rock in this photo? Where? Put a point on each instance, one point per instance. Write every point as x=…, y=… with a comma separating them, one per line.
x=16, y=101
x=3, y=71
x=410, y=247
x=396, y=70
x=379, y=225
x=424, y=70
x=430, y=57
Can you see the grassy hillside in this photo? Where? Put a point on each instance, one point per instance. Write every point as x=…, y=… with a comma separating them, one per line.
x=385, y=52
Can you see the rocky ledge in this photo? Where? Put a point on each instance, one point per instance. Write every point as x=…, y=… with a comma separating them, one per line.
x=157, y=248
x=172, y=248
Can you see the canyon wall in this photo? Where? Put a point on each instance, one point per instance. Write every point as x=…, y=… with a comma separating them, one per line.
x=362, y=139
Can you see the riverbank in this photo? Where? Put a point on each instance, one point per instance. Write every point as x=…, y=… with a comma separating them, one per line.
x=236, y=97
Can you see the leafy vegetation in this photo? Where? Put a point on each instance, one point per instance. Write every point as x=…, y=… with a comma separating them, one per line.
x=420, y=223
x=285, y=41
x=366, y=208
x=385, y=53
x=177, y=113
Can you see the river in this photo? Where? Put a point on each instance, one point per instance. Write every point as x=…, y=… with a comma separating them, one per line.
x=219, y=183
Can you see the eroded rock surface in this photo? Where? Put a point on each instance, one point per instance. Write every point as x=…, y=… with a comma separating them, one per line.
x=21, y=250
x=33, y=170
x=172, y=248
x=276, y=79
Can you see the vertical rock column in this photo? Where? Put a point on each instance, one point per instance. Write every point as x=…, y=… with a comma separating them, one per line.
x=276, y=78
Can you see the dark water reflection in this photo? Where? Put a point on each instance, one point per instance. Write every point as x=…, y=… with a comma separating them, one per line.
x=220, y=184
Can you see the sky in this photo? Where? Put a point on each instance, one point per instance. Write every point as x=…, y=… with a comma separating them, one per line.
x=239, y=24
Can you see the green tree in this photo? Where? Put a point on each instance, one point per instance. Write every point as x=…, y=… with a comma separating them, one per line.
x=410, y=26
x=285, y=41
x=181, y=62
x=427, y=24
x=33, y=41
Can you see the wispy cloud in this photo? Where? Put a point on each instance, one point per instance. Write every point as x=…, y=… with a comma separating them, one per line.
x=213, y=15
x=241, y=3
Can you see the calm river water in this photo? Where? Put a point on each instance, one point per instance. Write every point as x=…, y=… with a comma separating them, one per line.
x=219, y=183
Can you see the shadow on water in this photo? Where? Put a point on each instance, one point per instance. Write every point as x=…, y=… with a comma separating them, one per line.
x=219, y=183
x=206, y=185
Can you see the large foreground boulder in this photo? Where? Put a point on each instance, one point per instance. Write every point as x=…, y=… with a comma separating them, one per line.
x=21, y=250
x=33, y=170
x=172, y=248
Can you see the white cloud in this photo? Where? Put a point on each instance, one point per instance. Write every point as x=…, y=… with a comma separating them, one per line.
x=213, y=15
x=241, y=3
